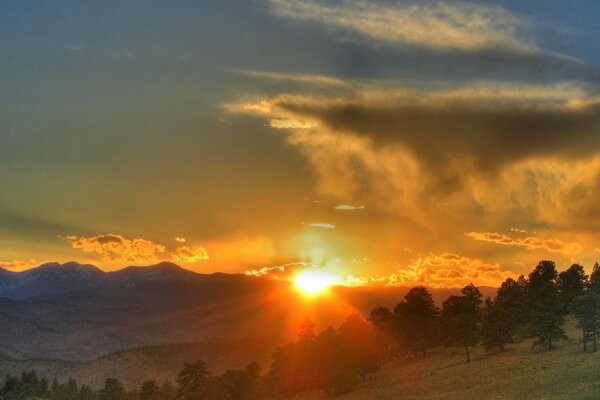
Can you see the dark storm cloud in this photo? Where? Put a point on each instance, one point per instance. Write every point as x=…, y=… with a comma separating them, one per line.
x=452, y=134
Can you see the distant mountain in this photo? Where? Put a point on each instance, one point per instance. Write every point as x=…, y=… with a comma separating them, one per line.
x=76, y=314
x=49, y=278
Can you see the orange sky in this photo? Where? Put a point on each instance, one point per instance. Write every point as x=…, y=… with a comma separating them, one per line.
x=386, y=142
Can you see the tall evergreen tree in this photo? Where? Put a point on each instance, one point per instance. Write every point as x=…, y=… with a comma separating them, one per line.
x=586, y=308
x=546, y=316
x=495, y=331
x=594, y=279
x=193, y=382
x=570, y=284
x=461, y=316
x=416, y=323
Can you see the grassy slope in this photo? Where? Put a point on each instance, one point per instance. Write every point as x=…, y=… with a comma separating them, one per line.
x=134, y=366
x=519, y=373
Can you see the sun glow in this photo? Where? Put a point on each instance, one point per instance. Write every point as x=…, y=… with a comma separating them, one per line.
x=313, y=281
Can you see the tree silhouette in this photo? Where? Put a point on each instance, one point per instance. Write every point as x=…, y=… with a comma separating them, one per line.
x=546, y=315
x=416, y=321
x=494, y=332
x=586, y=308
x=570, y=284
x=512, y=306
x=461, y=318
x=112, y=390
x=594, y=279
x=193, y=381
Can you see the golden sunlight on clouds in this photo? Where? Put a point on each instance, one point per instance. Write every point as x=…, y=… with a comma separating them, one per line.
x=223, y=254
x=530, y=243
x=114, y=247
x=186, y=254
x=449, y=270
x=433, y=24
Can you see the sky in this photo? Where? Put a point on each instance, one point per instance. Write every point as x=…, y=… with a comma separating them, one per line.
x=389, y=142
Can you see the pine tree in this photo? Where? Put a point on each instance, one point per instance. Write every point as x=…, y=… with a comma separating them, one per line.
x=193, y=381
x=415, y=321
x=546, y=316
x=461, y=316
x=586, y=308
x=495, y=333
x=570, y=284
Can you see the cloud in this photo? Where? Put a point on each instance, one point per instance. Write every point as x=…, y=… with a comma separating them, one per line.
x=282, y=270
x=180, y=239
x=449, y=270
x=114, y=247
x=304, y=79
x=19, y=265
x=187, y=254
x=519, y=230
x=348, y=207
x=433, y=24
x=323, y=225
x=484, y=147
x=530, y=243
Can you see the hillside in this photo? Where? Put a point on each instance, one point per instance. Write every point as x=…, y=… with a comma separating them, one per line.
x=565, y=373
x=78, y=313
x=134, y=366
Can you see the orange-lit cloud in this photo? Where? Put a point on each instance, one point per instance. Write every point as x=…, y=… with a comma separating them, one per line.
x=186, y=254
x=114, y=247
x=449, y=270
x=279, y=270
x=530, y=243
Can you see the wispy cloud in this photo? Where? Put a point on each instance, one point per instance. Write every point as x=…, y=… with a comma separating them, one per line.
x=277, y=270
x=348, y=207
x=323, y=225
x=434, y=24
x=530, y=243
x=304, y=79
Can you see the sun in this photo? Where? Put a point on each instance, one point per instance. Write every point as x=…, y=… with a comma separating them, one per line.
x=311, y=282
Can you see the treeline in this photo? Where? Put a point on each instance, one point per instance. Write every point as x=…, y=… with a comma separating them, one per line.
x=332, y=361
x=335, y=360
x=529, y=307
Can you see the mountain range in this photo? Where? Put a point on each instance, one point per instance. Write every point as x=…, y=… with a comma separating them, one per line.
x=77, y=320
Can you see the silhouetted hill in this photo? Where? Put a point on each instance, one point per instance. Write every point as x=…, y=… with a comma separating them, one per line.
x=75, y=314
